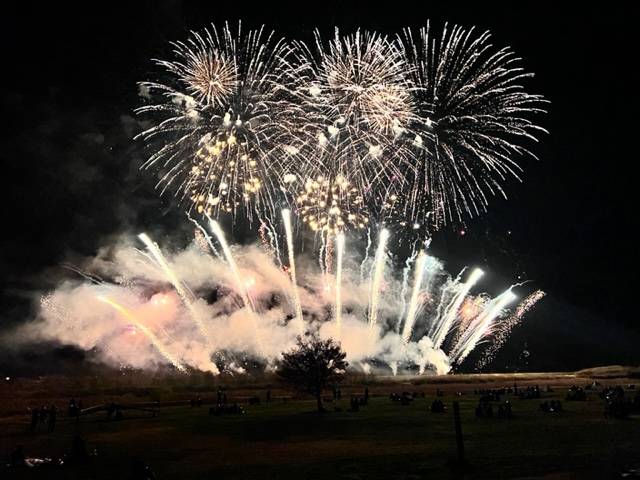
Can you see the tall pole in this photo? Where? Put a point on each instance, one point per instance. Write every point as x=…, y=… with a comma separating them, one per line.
x=458, y=428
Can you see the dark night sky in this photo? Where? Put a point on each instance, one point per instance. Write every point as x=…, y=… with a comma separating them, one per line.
x=69, y=165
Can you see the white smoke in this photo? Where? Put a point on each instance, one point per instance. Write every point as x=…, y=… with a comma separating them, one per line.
x=73, y=314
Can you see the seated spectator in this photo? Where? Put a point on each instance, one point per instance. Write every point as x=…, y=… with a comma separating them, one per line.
x=78, y=450
x=17, y=457
x=576, y=394
x=406, y=399
x=437, y=406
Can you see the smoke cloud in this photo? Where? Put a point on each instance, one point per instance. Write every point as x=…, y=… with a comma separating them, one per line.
x=123, y=308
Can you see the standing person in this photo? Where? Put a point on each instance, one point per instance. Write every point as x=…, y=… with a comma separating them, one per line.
x=44, y=414
x=78, y=450
x=52, y=418
x=35, y=418
x=17, y=457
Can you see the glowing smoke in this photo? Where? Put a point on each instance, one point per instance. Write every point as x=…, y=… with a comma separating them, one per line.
x=148, y=323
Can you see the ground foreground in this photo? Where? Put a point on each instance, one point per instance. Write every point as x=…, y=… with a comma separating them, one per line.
x=286, y=439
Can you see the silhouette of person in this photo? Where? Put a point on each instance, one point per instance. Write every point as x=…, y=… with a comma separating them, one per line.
x=35, y=418
x=17, y=457
x=52, y=418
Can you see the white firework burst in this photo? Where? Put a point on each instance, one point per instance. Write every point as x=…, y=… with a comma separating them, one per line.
x=222, y=126
x=474, y=115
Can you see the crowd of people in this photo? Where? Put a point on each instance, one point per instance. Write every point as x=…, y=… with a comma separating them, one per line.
x=619, y=402
x=355, y=402
x=223, y=408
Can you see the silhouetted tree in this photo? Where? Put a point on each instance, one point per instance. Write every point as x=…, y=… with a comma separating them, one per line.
x=312, y=365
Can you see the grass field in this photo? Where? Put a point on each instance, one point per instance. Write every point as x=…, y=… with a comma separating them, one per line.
x=286, y=439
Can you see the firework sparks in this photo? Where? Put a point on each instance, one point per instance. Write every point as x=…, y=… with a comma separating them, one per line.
x=480, y=327
x=473, y=114
x=183, y=293
x=145, y=330
x=356, y=96
x=286, y=217
x=422, y=130
x=438, y=305
x=503, y=330
x=240, y=284
x=378, y=273
x=442, y=326
x=357, y=132
x=221, y=126
x=413, y=303
x=338, y=286
x=330, y=207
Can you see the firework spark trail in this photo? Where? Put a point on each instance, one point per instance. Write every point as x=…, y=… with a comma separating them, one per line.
x=233, y=266
x=338, y=286
x=480, y=327
x=273, y=237
x=506, y=326
x=469, y=310
x=328, y=255
x=240, y=285
x=479, y=318
x=378, y=274
x=183, y=293
x=366, y=255
x=262, y=231
x=205, y=235
x=447, y=295
x=443, y=325
x=147, y=332
x=405, y=286
x=286, y=217
x=85, y=275
x=266, y=230
x=321, y=257
x=414, y=302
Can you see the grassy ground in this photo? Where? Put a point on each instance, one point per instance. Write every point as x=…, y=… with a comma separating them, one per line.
x=285, y=439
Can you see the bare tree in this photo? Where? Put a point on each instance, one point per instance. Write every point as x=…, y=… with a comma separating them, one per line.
x=312, y=365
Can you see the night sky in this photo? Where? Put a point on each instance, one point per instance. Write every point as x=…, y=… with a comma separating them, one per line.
x=70, y=166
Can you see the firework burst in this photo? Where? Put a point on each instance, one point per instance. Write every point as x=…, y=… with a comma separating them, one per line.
x=357, y=101
x=473, y=116
x=222, y=127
